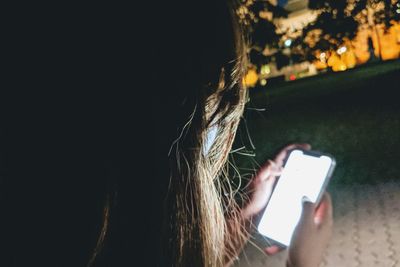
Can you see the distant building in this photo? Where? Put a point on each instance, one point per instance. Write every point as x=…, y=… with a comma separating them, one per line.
x=299, y=16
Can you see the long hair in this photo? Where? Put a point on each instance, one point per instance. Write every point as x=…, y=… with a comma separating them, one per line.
x=202, y=83
x=200, y=201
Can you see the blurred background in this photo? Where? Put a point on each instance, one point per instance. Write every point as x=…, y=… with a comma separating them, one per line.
x=327, y=72
x=292, y=39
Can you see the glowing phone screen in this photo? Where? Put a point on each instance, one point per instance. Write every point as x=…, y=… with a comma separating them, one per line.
x=303, y=176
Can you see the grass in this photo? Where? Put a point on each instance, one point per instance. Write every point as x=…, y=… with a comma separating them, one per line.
x=354, y=115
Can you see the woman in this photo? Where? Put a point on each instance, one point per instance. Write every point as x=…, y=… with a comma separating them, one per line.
x=196, y=56
x=204, y=225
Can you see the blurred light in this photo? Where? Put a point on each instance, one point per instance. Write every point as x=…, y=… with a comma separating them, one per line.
x=341, y=50
x=263, y=82
x=292, y=77
x=323, y=55
x=265, y=69
x=251, y=78
x=288, y=42
x=339, y=65
x=398, y=11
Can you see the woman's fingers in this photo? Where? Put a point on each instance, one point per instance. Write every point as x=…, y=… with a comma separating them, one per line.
x=263, y=182
x=272, y=250
x=269, y=169
x=307, y=213
x=283, y=153
x=320, y=214
x=273, y=168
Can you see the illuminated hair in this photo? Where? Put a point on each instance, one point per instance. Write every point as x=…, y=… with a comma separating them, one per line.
x=200, y=201
x=202, y=226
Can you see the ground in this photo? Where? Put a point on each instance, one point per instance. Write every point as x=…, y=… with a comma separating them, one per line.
x=366, y=230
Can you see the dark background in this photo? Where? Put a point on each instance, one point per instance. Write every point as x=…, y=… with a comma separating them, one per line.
x=77, y=125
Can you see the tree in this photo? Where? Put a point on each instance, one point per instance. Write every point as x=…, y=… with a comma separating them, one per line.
x=337, y=24
x=339, y=20
x=266, y=44
x=377, y=12
x=334, y=25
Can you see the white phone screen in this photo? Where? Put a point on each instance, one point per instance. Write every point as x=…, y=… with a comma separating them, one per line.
x=303, y=176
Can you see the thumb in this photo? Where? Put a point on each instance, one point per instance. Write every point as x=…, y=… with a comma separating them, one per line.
x=307, y=214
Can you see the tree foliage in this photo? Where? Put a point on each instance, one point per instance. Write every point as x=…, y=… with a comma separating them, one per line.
x=337, y=21
x=263, y=30
x=335, y=24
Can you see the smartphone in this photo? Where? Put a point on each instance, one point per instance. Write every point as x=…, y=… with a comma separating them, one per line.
x=304, y=177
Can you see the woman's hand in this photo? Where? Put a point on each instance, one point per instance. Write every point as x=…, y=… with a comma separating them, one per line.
x=314, y=229
x=312, y=234
x=262, y=183
x=260, y=190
